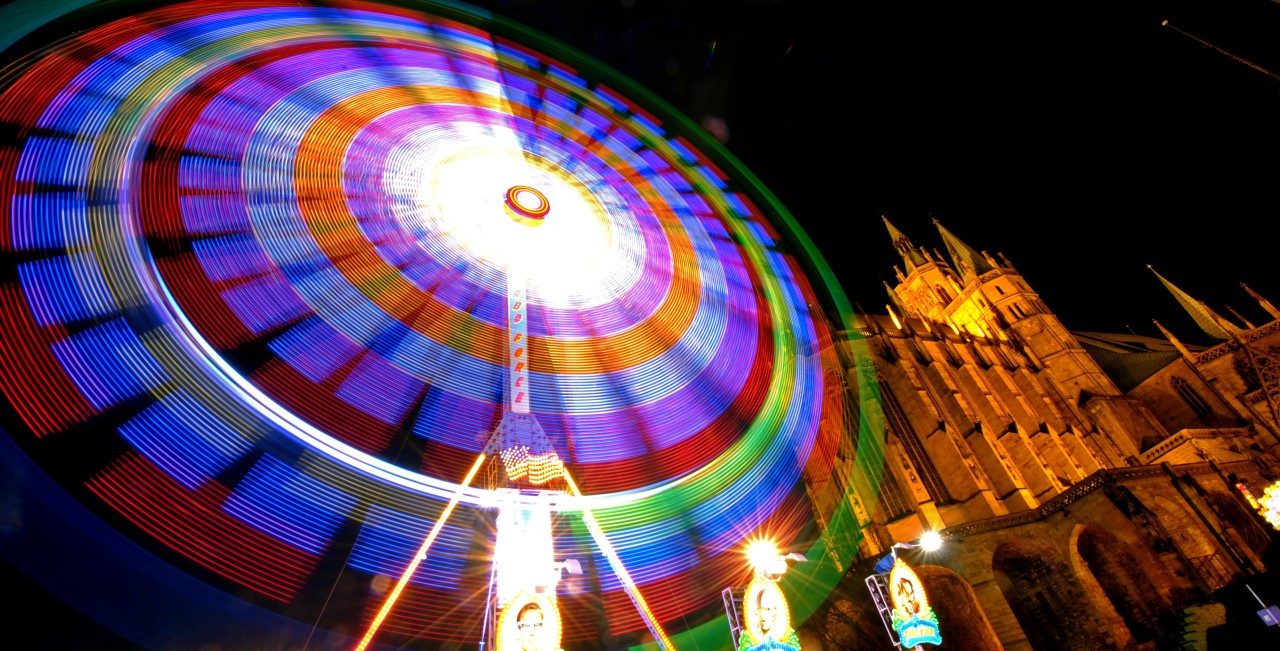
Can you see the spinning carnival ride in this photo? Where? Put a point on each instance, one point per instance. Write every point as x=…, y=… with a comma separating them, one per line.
x=314, y=312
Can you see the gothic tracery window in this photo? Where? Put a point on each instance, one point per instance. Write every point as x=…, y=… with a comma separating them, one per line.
x=1190, y=396
x=942, y=293
x=899, y=424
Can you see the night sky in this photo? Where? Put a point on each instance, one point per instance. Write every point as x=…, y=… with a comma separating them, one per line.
x=1083, y=140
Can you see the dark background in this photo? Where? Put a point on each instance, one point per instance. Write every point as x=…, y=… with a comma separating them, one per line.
x=1083, y=140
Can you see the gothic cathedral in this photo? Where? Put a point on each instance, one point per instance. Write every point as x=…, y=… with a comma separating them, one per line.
x=1094, y=491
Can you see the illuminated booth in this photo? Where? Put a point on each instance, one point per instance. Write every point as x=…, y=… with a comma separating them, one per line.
x=767, y=618
x=759, y=615
x=525, y=577
x=913, y=618
x=1267, y=505
x=900, y=598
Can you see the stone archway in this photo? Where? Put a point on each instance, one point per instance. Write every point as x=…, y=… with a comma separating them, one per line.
x=852, y=625
x=963, y=622
x=1047, y=599
x=850, y=622
x=1235, y=517
x=1209, y=567
x=1144, y=611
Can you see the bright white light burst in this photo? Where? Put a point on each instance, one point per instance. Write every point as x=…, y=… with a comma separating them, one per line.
x=763, y=554
x=463, y=174
x=930, y=541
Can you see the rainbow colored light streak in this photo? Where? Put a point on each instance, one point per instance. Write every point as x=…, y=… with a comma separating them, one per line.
x=257, y=254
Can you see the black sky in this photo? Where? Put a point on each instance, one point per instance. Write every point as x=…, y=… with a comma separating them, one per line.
x=1084, y=140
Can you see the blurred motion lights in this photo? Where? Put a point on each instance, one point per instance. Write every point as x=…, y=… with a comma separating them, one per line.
x=257, y=262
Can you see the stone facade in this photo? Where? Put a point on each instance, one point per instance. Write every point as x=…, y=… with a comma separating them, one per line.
x=1085, y=485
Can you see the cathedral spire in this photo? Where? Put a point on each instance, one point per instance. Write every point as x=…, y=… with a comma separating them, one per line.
x=1266, y=366
x=1242, y=318
x=1209, y=321
x=1266, y=305
x=1174, y=340
x=894, y=302
x=962, y=255
x=910, y=255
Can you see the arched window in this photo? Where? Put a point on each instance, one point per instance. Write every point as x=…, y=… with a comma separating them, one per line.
x=942, y=293
x=1189, y=396
x=898, y=423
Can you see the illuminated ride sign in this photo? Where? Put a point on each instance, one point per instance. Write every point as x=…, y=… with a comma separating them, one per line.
x=768, y=619
x=913, y=619
x=529, y=622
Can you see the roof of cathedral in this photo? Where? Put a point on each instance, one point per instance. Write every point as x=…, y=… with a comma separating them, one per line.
x=962, y=254
x=1129, y=359
x=902, y=243
x=1208, y=320
x=1129, y=343
x=894, y=301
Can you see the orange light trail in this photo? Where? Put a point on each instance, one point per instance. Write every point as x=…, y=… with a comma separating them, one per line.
x=417, y=559
x=1223, y=52
x=624, y=577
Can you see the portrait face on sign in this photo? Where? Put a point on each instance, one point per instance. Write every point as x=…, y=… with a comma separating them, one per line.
x=905, y=591
x=911, y=616
x=529, y=622
x=766, y=613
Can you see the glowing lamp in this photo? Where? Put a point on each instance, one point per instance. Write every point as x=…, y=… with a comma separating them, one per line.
x=931, y=541
x=1269, y=505
x=763, y=555
x=894, y=316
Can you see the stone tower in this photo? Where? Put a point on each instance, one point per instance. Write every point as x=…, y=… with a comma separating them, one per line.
x=983, y=296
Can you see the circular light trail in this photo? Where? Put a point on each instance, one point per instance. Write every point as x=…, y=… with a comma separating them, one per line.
x=256, y=261
x=528, y=203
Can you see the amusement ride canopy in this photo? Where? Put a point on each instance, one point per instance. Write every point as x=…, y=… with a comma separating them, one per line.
x=258, y=261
